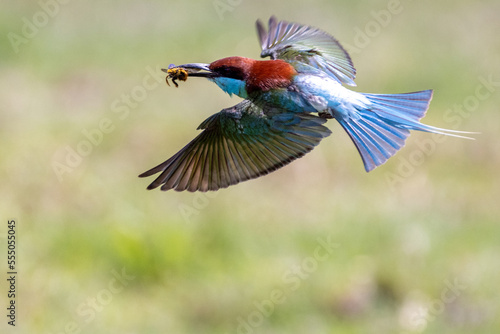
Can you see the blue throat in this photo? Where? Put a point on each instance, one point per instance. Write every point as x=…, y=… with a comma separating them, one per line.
x=231, y=86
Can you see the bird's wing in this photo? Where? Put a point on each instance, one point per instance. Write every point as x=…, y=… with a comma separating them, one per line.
x=296, y=42
x=239, y=143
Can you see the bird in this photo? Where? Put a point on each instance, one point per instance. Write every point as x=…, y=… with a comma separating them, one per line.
x=287, y=100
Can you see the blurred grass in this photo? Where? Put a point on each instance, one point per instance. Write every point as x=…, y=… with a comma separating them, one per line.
x=201, y=262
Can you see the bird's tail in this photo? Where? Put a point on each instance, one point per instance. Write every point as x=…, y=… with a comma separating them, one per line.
x=381, y=130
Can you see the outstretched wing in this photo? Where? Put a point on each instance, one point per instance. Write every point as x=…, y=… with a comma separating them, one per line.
x=238, y=144
x=296, y=42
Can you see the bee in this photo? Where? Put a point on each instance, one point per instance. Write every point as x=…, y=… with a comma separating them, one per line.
x=176, y=73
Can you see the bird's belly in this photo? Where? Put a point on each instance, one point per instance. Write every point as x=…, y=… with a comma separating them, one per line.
x=326, y=94
x=310, y=93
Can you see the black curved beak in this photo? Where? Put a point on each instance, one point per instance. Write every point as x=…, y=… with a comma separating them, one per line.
x=193, y=70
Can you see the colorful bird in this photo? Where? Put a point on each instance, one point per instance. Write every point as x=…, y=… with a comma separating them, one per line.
x=276, y=122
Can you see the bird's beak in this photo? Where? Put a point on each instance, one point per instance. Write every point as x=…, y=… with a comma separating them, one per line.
x=193, y=70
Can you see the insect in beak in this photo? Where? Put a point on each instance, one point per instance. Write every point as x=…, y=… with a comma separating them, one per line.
x=181, y=72
x=175, y=73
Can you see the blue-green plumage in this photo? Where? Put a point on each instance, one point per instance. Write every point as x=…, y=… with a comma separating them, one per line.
x=231, y=86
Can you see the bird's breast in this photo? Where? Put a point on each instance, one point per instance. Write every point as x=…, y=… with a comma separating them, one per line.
x=232, y=86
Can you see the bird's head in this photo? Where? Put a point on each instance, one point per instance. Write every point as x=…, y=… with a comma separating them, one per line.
x=242, y=76
x=230, y=74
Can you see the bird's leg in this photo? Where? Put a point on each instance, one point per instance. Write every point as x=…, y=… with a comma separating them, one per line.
x=325, y=114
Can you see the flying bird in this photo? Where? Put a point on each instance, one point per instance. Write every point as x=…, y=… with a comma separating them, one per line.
x=287, y=101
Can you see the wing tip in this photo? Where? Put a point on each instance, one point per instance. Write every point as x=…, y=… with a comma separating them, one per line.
x=145, y=174
x=262, y=33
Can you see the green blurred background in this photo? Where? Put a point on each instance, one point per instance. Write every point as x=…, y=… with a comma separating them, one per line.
x=415, y=244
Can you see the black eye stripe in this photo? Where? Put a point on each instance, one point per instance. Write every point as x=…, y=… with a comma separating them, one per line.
x=230, y=72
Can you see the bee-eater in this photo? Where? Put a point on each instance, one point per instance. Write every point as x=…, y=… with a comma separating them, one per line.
x=275, y=124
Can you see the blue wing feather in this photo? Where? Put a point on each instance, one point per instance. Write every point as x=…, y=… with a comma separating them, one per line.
x=294, y=42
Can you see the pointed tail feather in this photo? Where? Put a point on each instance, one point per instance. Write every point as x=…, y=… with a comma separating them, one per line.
x=381, y=130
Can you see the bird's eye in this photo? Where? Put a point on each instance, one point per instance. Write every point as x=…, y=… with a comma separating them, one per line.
x=230, y=72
